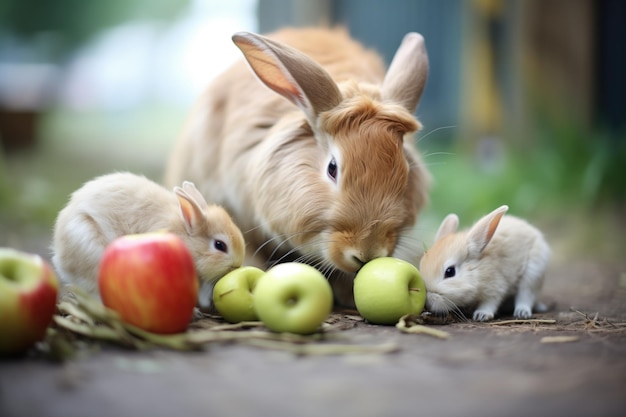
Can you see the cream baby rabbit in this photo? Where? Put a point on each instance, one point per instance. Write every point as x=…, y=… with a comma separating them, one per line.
x=478, y=268
x=118, y=204
x=320, y=167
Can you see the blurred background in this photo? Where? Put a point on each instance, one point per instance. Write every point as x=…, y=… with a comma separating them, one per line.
x=524, y=104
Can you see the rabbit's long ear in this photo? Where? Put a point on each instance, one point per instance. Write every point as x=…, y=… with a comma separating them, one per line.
x=448, y=226
x=407, y=74
x=481, y=233
x=290, y=73
x=190, y=210
x=190, y=189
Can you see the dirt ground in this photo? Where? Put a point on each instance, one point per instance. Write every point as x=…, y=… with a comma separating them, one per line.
x=492, y=369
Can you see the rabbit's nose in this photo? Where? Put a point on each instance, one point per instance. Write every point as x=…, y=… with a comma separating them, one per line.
x=358, y=261
x=353, y=259
x=359, y=257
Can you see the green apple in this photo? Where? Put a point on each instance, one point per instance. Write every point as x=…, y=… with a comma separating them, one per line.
x=386, y=289
x=28, y=297
x=232, y=294
x=293, y=297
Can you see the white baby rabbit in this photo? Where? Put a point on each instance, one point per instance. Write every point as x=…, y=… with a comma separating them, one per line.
x=323, y=169
x=118, y=204
x=478, y=268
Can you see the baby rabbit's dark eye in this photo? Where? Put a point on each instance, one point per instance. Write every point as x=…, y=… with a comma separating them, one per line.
x=332, y=170
x=220, y=246
x=450, y=272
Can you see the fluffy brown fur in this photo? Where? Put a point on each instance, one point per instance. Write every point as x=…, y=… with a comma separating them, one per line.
x=265, y=158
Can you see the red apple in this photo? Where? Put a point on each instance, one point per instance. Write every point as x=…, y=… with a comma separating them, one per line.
x=28, y=296
x=150, y=280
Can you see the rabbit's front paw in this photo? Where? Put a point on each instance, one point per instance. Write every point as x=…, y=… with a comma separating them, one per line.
x=482, y=315
x=522, y=312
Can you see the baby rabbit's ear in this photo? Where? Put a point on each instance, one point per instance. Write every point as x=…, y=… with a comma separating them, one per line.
x=190, y=211
x=190, y=189
x=448, y=226
x=407, y=74
x=290, y=73
x=481, y=233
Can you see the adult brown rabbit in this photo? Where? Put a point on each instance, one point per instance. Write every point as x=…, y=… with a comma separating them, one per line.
x=329, y=176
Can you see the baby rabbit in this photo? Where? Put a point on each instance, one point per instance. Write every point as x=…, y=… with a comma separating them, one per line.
x=319, y=163
x=118, y=204
x=499, y=256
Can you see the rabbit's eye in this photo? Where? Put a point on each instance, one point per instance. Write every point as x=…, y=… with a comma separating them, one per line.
x=332, y=169
x=450, y=272
x=220, y=246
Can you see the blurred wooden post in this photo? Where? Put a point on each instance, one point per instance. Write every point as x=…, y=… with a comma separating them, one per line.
x=558, y=40
x=525, y=61
x=481, y=111
x=18, y=128
x=24, y=93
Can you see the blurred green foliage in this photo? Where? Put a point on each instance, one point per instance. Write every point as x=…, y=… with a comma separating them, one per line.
x=4, y=188
x=565, y=169
x=72, y=22
x=74, y=147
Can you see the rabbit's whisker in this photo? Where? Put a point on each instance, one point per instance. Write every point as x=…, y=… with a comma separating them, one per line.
x=454, y=309
x=424, y=136
x=283, y=240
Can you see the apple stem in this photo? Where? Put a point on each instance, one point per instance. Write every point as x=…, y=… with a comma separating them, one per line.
x=415, y=289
